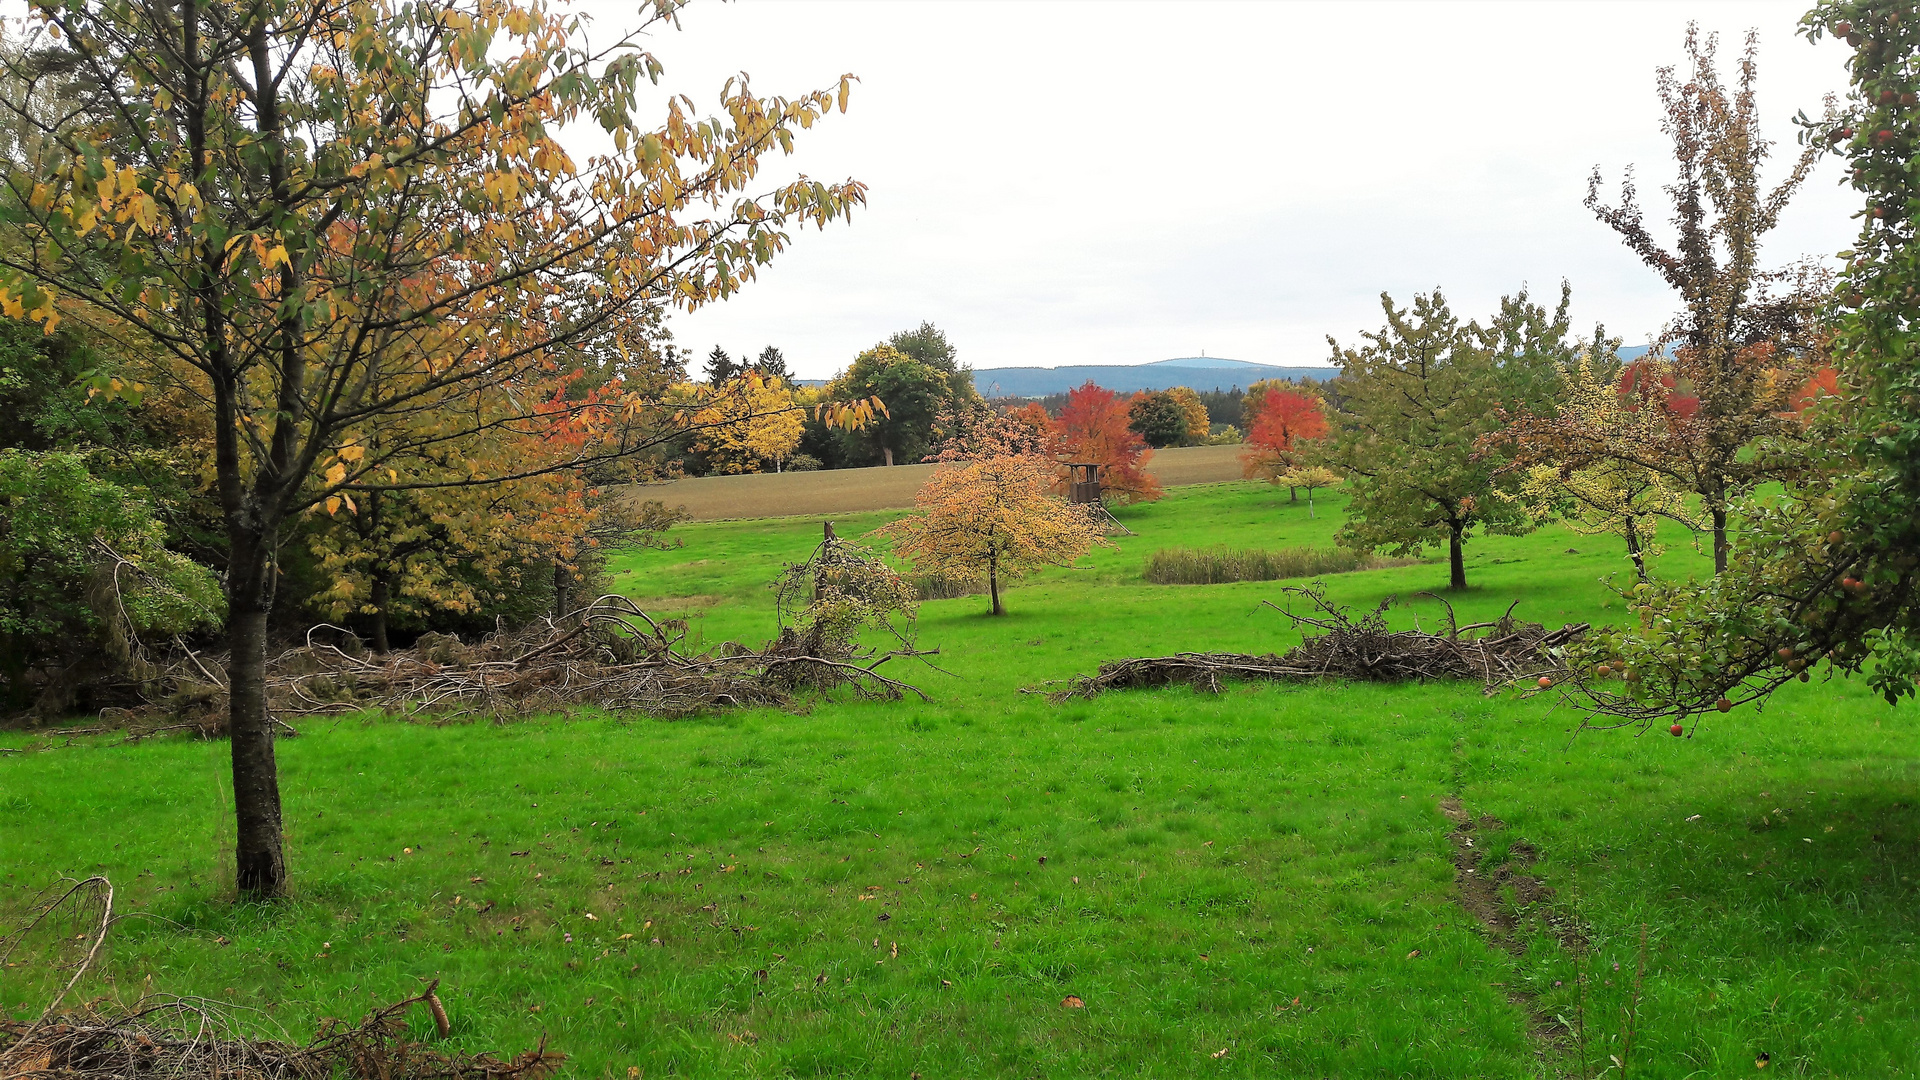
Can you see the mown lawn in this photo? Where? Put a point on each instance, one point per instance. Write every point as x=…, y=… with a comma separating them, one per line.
x=1252, y=885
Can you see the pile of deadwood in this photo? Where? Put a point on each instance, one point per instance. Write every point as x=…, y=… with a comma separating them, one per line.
x=609, y=655
x=1338, y=646
x=169, y=1037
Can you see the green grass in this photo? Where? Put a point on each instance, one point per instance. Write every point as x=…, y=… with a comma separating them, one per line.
x=1208, y=860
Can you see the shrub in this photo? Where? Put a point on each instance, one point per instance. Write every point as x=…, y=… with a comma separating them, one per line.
x=802, y=463
x=1217, y=566
x=934, y=587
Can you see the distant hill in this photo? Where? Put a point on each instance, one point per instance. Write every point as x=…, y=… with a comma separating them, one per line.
x=1198, y=372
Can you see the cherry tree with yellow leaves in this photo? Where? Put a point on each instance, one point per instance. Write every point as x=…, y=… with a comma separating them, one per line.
x=995, y=517
x=757, y=422
x=334, y=213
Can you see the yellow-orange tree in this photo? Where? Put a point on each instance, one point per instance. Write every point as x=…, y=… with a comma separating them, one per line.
x=996, y=516
x=333, y=212
x=749, y=423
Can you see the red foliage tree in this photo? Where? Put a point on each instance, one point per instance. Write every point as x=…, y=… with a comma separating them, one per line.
x=1093, y=428
x=1284, y=419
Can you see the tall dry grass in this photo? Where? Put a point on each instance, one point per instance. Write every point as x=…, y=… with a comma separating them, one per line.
x=1219, y=565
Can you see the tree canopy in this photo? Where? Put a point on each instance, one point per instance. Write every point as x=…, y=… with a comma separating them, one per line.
x=1415, y=398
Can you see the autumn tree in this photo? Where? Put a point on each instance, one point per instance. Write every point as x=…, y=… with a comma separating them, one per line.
x=1093, y=429
x=977, y=430
x=995, y=517
x=1564, y=468
x=330, y=214
x=1825, y=569
x=756, y=422
x=1286, y=420
x=1158, y=418
x=1199, y=424
x=1416, y=397
x=1745, y=340
x=1309, y=477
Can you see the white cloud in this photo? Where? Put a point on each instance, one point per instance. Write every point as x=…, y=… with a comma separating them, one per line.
x=1123, y=182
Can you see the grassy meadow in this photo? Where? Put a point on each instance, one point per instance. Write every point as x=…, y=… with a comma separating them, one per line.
x=1257, y=884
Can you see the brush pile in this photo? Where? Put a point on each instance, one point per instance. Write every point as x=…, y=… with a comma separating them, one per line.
x=1338, y=646
x=170, y=1037
x=611, y=655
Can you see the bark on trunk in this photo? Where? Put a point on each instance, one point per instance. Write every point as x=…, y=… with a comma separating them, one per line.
x=260, y=868
x=887, y=451
x=1310, y=513
x=1633, y=550
x=993, y=585
x=1293, y=495
x=1457, y=554
x=1720, y=539
x=382, y=596
x=562, y=593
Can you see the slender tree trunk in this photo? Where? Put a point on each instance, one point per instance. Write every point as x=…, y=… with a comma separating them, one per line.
x=1633, y=549
x=993, y=584
x=381, y=598
x=888, y=452
x=1457, y=554
x=1719, y=537
x=562, y=591
x=260, y=868
x=1293, y=495
x=1310, y=513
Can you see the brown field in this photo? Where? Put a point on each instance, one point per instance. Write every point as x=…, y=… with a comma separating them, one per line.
x=843, y=491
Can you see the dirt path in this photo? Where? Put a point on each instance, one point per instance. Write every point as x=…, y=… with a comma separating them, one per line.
x=845, y=491
x=1478, y=890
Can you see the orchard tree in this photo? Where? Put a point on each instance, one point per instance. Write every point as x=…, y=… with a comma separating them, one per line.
x=1310, y=477
x=334, y=213
x=1415, y=399
x=1564, y=469
x=1747, y=338
x=1093, y=429
x=1827, y=570
x=996, y=517
x=1286, y=421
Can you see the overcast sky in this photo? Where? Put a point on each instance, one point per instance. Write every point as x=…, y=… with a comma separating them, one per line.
x=1112, y=182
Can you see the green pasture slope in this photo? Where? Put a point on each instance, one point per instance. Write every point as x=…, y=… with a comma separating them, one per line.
x=1254, y=885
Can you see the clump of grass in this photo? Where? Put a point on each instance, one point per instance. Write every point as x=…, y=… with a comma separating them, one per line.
x=1219, y=565
x=932, y=587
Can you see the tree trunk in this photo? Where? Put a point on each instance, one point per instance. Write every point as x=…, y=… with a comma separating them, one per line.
x=562, y=593
x=993, y=585
x=1633, y=549
x=888, y=452
x=1293, y=495
x=260, y=867
x=1458, y=557
x=1719, y=538
x=381, y=598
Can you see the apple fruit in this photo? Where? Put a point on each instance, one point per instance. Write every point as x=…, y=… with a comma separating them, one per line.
x=1676, y=731
x=1723, y=705
x=1545, y=682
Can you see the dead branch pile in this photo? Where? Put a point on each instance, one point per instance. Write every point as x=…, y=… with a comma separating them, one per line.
x=611, y=654
x=1506, y=651
x=180, y=1037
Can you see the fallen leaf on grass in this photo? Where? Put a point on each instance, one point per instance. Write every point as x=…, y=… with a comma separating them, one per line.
x=1413, y=954
x=1222, y=1052
x=1072, y=1001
